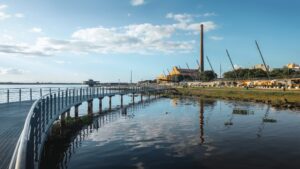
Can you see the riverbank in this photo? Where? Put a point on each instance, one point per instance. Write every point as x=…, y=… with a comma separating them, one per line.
x=276, y=98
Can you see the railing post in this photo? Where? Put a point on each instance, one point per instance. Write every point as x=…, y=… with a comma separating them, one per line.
x=7, y=95
x=51, y=105
x=47, y=110
x=70, y=97
x=55, y=110
x=66, y=102
x=73, y=95
x=62, y=99
x=43, y=114
x=58, y=101
x=20, y=95
x=41, y=92
x=80, y=93
x=30, y=94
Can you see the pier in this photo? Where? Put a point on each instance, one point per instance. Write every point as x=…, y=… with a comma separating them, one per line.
x=25, y=123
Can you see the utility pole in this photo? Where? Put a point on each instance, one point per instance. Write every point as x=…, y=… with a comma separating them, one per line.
x=231, y=64
x=262, y=58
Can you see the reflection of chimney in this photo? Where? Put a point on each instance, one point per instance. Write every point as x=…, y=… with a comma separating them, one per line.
x=201, y=49
x=202, y=121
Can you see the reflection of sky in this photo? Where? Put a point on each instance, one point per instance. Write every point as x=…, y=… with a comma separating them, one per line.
x=165, y=134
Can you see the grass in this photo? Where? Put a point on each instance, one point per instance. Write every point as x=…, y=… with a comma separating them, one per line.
x=274, y=97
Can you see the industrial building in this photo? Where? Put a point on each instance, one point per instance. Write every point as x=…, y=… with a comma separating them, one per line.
x=261, y=66
x=293, y=66
x=186, y=74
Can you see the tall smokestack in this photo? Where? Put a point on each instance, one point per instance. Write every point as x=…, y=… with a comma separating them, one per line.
x=201, y=49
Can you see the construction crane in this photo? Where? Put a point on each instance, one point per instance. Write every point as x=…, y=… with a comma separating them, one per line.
x=168, y=71
x=164, y=73
x=198, y=64
x=210, y=65
x=231, y=64
x=262, y=58
x=187, y=66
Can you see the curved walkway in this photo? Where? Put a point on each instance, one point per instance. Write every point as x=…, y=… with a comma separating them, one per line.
x=12, y=118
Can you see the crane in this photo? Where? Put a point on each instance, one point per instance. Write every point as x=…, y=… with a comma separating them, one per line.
x=262, y=58
x=231, y=64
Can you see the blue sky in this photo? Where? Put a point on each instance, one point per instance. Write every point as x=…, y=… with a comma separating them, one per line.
x=73, y=40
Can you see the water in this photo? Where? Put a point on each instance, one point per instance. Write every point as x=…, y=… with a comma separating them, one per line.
x=185, y=133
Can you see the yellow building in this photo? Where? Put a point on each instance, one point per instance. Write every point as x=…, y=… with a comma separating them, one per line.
x=293, y=66
x=178, y=74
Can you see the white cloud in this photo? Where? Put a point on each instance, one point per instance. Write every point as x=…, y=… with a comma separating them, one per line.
x=19, y=15
x=3, y=6
x=143, y=38
x=11, y=71
x=60, y=62
x=137, y=2
x=36, y=30
x=185, y=18
x=185, y=22
x=217, y=38
x=4, y=15
x=208, y=14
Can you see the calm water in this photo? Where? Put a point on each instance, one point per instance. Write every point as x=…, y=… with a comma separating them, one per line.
x=25, y=91
x=186, y=133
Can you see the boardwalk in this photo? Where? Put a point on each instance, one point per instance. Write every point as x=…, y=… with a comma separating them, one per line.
x=12, y=118
x=30, y=121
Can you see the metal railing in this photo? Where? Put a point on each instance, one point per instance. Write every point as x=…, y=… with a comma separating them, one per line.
x=47, y=109
x=10, y=95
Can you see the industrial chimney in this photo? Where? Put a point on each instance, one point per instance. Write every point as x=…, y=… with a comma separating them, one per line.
x=201, y=49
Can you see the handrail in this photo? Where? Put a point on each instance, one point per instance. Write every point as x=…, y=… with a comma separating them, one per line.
x=45, y=110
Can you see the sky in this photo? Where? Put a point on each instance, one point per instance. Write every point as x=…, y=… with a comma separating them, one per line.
x=76, y=40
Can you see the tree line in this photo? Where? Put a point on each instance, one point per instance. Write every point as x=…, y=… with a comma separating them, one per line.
x=259, y=73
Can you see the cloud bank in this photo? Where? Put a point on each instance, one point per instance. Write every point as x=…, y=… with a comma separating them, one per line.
x=143, y=38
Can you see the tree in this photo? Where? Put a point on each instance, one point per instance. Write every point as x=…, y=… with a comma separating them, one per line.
x=208, y=75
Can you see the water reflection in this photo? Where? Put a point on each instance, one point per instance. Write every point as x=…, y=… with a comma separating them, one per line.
x=202, y=121
x=79, y=135
x=174, y=133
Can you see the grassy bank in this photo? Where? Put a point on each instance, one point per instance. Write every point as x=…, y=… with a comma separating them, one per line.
x=277, y=98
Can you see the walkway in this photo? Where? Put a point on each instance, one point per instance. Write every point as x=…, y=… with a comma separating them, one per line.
x=12, y=118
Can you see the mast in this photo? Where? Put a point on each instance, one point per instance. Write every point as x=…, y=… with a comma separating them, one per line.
x=187, y=66
x=210, y=64
x=262, y=58
x=231, y=64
